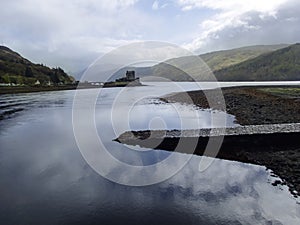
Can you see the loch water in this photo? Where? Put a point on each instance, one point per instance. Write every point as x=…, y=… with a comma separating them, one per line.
x=45, y=178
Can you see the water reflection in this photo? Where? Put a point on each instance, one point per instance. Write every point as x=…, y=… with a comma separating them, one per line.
x=45, y=180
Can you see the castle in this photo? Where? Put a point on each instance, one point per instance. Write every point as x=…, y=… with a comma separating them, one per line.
x=130, y=76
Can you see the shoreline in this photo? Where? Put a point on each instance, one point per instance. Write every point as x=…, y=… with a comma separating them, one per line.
x=277, y=151
x=251, y=105
x=261, y=105
x=32, y=89
x=268, y=105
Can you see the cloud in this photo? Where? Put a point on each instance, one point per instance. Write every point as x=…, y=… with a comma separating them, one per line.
x=238, y=21
x=232, y=5
x=55, y=32
x=155, y=5
x=71, y=33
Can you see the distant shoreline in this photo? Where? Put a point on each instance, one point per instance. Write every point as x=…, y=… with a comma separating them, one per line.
x=33, y=89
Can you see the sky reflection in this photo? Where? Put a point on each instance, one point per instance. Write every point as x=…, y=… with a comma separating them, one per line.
x=45, y=180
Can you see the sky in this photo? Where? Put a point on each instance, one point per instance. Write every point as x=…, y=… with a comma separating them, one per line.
x=73, y=33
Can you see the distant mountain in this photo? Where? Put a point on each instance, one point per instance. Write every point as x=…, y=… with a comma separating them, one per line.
x=214, y=60
x=18, y=70
x=282, y=65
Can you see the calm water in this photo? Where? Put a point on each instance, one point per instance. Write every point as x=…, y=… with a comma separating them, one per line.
x=44, y=178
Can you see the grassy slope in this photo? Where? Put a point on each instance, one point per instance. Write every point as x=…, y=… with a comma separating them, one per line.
x=212, y=62
x=283, y=64
x=222, y=59
x=16, y=69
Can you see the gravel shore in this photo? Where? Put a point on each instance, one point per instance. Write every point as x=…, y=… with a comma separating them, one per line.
x=250, y=105
x=256, y=106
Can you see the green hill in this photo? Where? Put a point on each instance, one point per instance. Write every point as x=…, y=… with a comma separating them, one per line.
x=281, y=65
x=171, y=69
x=222, y=59
x=215, y=62
x=18, y=70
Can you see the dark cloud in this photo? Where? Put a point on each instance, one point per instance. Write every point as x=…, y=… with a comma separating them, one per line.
x=281, y=28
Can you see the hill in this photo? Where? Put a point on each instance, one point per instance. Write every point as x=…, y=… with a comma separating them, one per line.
x=18, y=70
x=282, y=65
x=214, y=60
x=222, y=59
